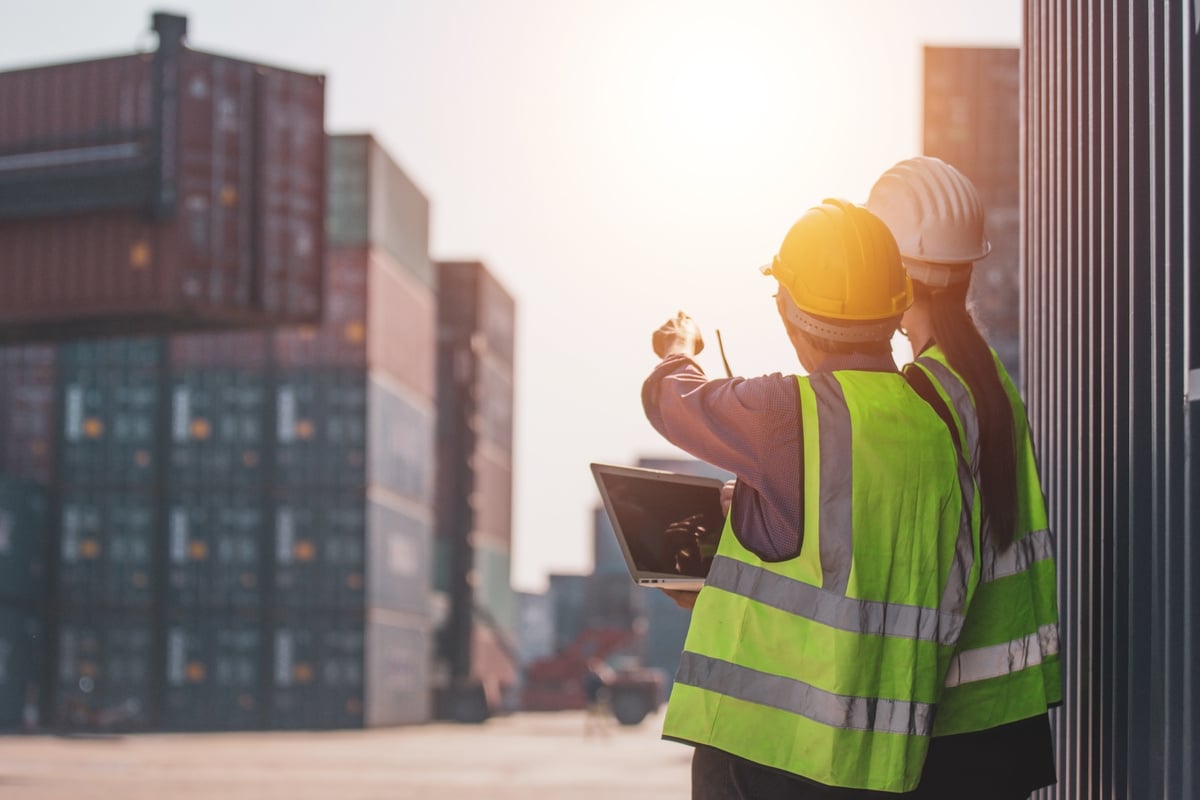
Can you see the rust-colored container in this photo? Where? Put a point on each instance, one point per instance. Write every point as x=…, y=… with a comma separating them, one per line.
x=169, y=191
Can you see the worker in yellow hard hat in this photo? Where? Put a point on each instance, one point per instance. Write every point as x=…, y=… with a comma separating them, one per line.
x=825, y=629
x=992, y=732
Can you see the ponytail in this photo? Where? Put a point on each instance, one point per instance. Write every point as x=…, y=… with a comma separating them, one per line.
x=958, y=337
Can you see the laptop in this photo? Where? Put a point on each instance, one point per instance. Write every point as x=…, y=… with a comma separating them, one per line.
x=667, y=524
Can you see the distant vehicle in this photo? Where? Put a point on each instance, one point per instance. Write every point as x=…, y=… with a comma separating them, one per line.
x=555, y=683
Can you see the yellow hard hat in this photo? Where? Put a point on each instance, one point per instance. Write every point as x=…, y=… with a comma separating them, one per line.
x=840, y=263
x=935, y=214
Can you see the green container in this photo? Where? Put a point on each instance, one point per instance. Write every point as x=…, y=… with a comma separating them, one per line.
x=23, y=518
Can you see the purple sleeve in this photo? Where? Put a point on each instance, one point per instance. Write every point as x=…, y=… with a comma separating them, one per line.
x=748, y=426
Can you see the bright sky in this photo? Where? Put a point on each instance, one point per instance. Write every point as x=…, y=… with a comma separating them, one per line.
x=612, y=161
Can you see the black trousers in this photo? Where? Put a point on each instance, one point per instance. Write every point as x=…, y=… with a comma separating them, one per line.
x=717, y=775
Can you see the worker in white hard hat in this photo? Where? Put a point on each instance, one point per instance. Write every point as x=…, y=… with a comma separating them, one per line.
x=821, y=638
x=992, y=734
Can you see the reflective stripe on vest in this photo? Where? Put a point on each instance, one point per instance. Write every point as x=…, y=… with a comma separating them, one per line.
x=797, y=697
x=1001, y=659
x=832, y=608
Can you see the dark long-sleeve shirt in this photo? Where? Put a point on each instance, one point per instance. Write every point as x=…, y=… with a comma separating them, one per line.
x=750, y=427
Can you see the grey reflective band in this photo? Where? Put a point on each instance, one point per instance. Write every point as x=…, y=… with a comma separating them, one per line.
x=998, y=660
x=955, y=596
x=797, y=697
x=835, y=526
x=1031, y=548
x=867, y=617
x=964, y=407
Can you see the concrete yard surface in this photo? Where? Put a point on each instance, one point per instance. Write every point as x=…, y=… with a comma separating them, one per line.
x=521, y=757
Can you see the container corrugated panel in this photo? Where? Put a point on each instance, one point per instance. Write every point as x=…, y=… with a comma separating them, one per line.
x=28, y=385
x=241, y=349
x=493, y=587
x=373, y=202
x=247, y=237
x=20, y=667
x=106, y=672
x=491, y=499
x=320, y=544
x=972, y=120
x=568, y=597
x=216, y=542
x=400, y=451
x=614, y=601
x=471, y=300
x=321, y=418
x=319, y=668
x=400, y=552
x=291, y=196
x=399, y=655
x=402, y=322
x=218, y=426
x=341, y=338
x=535, y=628
x=106, y=548
x=24, y=517
x=1111, y=351
x=495, y=411
x=607, y=557
x=110, y=396
x=212, y=673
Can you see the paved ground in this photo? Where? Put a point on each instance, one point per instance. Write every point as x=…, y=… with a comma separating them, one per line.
x=523, y=757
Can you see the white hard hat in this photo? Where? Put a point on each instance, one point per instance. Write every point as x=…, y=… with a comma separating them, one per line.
x=935, y=214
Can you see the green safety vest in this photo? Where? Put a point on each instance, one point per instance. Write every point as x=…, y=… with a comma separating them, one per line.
x=1007, y=666
x=829, y=665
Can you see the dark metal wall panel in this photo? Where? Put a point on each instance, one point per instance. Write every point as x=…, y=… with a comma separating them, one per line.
x=1108, y=193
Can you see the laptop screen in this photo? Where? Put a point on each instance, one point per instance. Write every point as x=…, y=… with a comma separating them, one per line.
x=670, y=523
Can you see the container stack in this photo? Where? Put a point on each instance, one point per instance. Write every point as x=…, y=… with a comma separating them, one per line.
x=244, y=521
x=23, y=520
x=156, y=192
x=473, y=546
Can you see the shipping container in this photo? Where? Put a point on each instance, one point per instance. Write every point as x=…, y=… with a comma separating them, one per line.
x=212, y=673
x=495, y=409
x=402, y=325
x=494, y=665
x=1111, y=353
x=535, y=626
x=106, y=672
x=21, y=648
x=218, y=426
x=972, y=120
x=399, y=658
x=568, y=598
x=216, y=544
x=28, y=384
x=159, y=191
x=400, y=554
x=111, y=392
x=400, y=450
x=106, y=548
x=614, y=601
x=241, y=350
x=471, y=302
x=607, y=556
x=321, y=419
x=319, y=543
x=494, y=595
x=319, y=664
x=373, y=202
x=340, y=338
x=24, y=520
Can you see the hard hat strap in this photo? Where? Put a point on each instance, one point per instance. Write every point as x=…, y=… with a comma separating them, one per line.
x=937, y=276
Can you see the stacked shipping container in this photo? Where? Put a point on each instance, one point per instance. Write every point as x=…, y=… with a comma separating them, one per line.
x=476, y=321
x=972, y=120
x=245, y=519
x=176, y=190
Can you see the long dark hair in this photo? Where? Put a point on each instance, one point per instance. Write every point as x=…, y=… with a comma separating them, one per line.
x=955, y=332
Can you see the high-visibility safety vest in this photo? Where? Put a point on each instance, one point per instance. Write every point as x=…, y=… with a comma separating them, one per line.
x=1006, y=667
x=828, y=665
